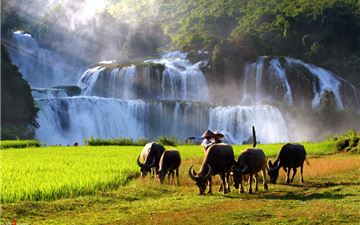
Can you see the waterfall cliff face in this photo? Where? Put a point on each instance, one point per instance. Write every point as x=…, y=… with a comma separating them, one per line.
x=172, y=77
x=168, y=95
x=71, y=119
x=41, y=67
x=295, y=83
x=235, y=122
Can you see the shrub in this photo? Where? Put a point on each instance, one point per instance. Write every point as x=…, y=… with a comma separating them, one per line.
x=341, y=144
x=116, y=141
x=170, y=141
x=19, y=144
x=348, y=142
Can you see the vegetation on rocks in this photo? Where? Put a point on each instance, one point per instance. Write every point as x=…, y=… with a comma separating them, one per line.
x=348, y=142
x=18, y=112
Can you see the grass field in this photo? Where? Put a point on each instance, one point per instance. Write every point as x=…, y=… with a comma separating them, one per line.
x=93, y=185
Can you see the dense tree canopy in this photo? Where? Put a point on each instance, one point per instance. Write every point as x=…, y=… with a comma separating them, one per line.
x=18, y=112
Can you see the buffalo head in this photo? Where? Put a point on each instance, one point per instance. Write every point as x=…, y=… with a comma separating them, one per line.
x=201, y=181
x=237, y=174
x=273, y=171
x=145, y=168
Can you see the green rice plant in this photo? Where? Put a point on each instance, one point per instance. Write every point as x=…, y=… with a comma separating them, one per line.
x=58, y=172
x=19, y=144
x=49, y=173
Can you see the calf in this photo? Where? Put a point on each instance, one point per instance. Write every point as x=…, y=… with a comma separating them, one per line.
x=290, y=157
x=169, y=164
x=250, y=162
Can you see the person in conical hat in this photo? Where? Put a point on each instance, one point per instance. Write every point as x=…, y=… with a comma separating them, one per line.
x=207, y=135
x=217, y=137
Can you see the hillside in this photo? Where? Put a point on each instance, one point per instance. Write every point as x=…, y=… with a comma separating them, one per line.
x=325, y=33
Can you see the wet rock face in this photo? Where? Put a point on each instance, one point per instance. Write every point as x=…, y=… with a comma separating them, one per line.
x=295, y=83
x=171, y=77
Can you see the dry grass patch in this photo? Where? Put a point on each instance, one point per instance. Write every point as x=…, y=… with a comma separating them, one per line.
x=324, y=166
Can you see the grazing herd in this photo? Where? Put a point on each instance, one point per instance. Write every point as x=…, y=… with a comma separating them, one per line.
x=219, y=160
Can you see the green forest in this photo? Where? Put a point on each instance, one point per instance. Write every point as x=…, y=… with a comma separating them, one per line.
x=323, y=32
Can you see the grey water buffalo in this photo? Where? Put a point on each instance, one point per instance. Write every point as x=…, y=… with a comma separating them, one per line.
x=150, y=155
x=250, y=162
x=290, y=157
x=219, y=159
x=169, y=164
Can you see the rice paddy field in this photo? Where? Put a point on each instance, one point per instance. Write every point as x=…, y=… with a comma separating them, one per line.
x=101, y=185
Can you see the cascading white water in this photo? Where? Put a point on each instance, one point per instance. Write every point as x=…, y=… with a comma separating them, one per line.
x=88, y=79
x=48, y=93
x=69, y=120
x=268, y=79
x=253, y=75
x=278, y=71
x=327, y=80
x=66, y=120
x=236, y=122
x=39, y=66
x=73, y=119
x=178, y=80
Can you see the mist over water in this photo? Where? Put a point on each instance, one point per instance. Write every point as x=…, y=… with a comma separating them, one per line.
x=166, y=94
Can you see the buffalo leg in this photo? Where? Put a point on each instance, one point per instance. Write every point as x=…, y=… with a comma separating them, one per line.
x=264, y=179
x=177, y=176
x=256, y=182
x=221, y=184
x=301, y=174
x=250, y=184
x=294, y=172
x=241, y=185
x=288, y=175
x=223, y=181
x=227, y=179
x=169, y=176
x=210, y=184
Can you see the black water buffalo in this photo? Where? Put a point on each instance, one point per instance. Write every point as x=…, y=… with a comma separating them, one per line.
x=290, y=157
x=218, y=159
x=169, y=164
x=150, y=155
x=250, y=162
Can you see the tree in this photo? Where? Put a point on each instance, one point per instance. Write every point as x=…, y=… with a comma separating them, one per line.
x=18, y=112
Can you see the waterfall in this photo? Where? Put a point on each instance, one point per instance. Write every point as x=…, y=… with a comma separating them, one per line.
x=72, y=119
x=327, y=81
x=48, y=93
x=172, y=77
x=295, y=83
x=236, y=122
x=278, y=71
x=41, y=67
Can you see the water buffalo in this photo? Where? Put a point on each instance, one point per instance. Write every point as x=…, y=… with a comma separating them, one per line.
x=150, y=155
x=250, y=162
x=219, y=159
x=169, y=164
x=290, y=157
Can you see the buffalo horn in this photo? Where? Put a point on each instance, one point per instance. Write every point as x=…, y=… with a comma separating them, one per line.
x=278, y=165
x=275, y=167
x=208, y=174
x=192, y=174
x=138, y=162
